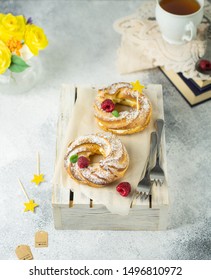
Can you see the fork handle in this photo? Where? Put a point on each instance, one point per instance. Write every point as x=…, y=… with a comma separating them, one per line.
x=159, y=123
x=153, y=142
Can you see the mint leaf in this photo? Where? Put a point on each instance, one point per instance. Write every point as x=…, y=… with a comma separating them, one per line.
x=74, y=158
x=17, y=64
x=115, y=113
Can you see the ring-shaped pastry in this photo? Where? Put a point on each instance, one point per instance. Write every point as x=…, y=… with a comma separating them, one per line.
x=127, y=122
x=110, y=168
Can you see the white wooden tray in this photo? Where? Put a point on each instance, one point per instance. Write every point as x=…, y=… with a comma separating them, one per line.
x=76, y=211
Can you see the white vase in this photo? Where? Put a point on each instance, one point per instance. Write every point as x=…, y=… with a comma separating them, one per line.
x=11, y=82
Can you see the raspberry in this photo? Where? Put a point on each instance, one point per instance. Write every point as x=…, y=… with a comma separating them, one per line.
x=205, y=64
x=124, y=188
x=83, y=162
x=107, y=105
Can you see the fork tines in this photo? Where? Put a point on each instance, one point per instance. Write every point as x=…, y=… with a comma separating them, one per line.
x=144, y=185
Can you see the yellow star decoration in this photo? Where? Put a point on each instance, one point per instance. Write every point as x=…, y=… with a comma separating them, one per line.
x=38, y=179
x=137, y=86
x=30, y=206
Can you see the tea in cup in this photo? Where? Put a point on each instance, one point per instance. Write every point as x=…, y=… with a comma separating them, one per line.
x=178, y=19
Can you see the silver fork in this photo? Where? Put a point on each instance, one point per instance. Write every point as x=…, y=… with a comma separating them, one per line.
x=157, y=173
x=144, y=185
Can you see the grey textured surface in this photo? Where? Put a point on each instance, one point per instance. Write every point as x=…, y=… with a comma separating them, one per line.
x=82, y=50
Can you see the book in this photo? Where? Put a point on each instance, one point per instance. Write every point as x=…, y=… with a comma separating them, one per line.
x=202, y=83
x=195, y=91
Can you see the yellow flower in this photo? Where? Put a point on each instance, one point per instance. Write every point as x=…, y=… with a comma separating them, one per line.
x=5, y=57
x=14, y=46
x=12, y=27
x=35, y=38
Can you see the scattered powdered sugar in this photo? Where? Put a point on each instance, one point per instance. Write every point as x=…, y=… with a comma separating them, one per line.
x=88, y=139
x=145, y=105
x=134, y=93
x=96, y=176
x=114, y=87
x=132, y=115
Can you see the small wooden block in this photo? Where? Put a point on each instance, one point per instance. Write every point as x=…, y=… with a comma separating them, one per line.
x=41, y=239
x=23, y=252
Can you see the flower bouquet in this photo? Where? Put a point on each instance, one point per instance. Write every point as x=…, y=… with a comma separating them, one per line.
x=20, y=43
x=20, y=40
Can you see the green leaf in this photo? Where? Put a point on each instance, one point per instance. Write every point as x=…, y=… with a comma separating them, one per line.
x=17, y=64
x=115, y=113
x=17, y=68
x=18, y=60
x=74, y=158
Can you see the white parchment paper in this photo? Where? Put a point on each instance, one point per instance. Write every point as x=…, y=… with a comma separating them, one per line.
x=82, y=122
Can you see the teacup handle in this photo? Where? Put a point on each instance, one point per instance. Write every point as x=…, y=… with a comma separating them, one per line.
x=190, y=32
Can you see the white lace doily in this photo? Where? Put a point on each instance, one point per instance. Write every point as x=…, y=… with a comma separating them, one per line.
x=142, y=46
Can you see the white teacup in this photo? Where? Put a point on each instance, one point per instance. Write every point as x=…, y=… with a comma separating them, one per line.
x=178, y=29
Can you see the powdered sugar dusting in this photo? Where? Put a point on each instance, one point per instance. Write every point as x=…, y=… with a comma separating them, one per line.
x=114, y=87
